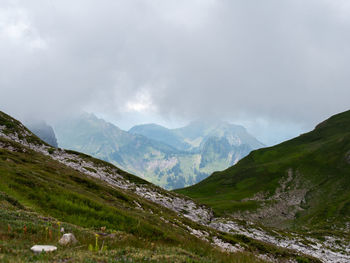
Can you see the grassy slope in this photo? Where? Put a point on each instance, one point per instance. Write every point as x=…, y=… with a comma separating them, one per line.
x=36, y=193
x=321, y=157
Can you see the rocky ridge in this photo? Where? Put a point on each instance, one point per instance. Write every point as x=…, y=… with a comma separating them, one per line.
x=328, y=251
x=282, y=205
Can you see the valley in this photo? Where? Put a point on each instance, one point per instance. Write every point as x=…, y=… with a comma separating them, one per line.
x=169, y=158
x=144, y=200
x=196, y=131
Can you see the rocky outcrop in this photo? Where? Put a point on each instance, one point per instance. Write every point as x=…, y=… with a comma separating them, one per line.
x=330, y=251
x=283, y=205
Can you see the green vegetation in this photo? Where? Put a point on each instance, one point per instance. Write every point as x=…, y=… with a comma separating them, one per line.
x=318, y=164
x=20, y=229
x=38, y=196
x=37, y=192
x=12, y=126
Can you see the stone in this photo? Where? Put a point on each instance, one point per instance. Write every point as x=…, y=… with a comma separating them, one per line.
x=68, y=239
x=43, y=248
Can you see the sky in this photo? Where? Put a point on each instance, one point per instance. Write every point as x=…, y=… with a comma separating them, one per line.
x=277, y=67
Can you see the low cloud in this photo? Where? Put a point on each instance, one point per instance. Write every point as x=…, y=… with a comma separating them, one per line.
x=284, y=61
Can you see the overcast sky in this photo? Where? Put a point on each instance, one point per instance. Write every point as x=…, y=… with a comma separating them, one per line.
x=278, y=67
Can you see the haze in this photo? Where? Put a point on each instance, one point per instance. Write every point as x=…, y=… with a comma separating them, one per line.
x=277, y=67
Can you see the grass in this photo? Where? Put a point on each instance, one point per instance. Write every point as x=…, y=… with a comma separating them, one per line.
x=39, y=195
x=12, y=126
x=53, y=189
x=320, y=158
x=120, y=246
x=37, y=192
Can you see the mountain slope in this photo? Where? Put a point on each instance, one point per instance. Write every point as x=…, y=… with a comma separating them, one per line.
x=197, y=132
x=162, y=134
x=143, y=151
x=301, y=182
x=45, y=132
x=116, y=216
x=135, y=220
x=41, y=186
x=134, y=153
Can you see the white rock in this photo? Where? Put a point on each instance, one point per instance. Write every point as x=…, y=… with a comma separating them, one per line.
x=67, y=239
x=43, y=248
x=327, y=251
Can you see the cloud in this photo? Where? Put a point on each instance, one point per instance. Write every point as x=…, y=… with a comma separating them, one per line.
x=279, y=60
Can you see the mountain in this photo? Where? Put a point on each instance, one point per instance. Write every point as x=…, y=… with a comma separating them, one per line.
x=134, y=153
x=104, y=140
x=216, y=145
x=116, y=216
x=198, y=132
x=191, y=155
x=194, y=135
x=161, y=134
x=44, y=132
x=301, y=183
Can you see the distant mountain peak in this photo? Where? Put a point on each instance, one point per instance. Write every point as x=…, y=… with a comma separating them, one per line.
x=44, y=132
x=167, y=157
x=147, y=126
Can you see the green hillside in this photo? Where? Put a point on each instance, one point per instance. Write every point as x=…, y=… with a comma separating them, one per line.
x=38, y=195
x=301, y=182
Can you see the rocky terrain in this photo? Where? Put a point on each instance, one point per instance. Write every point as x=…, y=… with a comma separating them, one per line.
x=330, y=250
x=301, y=184
x=284, y=204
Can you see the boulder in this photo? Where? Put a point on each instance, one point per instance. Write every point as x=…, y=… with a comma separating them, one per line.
x=43, y=248
x=68, y=239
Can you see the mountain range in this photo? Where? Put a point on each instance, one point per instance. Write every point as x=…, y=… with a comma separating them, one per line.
x=118, y=217
x=171, y=158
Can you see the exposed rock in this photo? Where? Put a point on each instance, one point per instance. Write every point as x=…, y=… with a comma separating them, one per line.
x=283, y=205
x=68, y=239
x=325, y=251
x=227, y=246
x=43, y=248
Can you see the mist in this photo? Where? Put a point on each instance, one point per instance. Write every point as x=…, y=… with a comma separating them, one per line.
x=282, y=65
